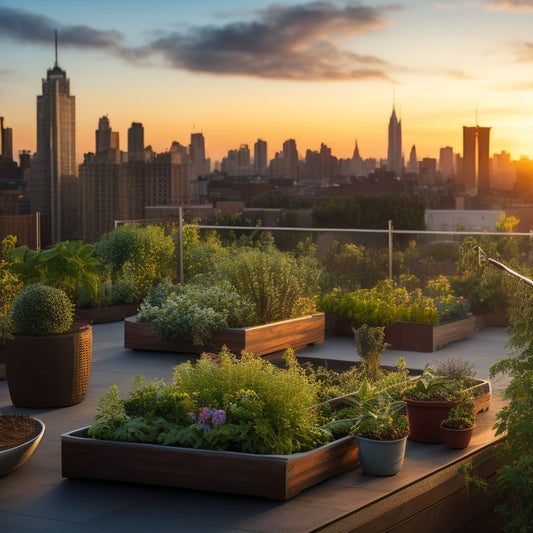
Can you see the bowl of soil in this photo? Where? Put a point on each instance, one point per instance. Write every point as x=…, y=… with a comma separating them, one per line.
x=19, y=437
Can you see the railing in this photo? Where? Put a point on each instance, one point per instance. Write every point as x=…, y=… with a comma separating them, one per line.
x=390, y=232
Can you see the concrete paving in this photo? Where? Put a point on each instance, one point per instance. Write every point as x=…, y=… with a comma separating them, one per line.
x=36, y=498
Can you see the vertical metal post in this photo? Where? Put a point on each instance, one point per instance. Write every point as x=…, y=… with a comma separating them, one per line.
x=38, y=231
x=390, y=250
x=180, y=244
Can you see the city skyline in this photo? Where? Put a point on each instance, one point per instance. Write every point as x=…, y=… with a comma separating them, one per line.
x=316, y=72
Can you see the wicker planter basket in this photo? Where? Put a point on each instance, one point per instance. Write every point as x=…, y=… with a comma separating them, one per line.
x=49, y=371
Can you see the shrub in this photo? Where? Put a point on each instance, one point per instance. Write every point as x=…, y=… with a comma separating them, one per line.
x=381, y=306
x=193, y=310
x=279, y=285
x=41, y=310
x=144, y=254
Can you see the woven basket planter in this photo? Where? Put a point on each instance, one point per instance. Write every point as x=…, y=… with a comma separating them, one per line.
x=49, y=371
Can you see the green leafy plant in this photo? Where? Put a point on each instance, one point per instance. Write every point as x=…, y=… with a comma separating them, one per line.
x=387, y=424
x=193, y=310
x=436, y=388
x=218, y=402
x=144, y=254
x=69, y=265
x=277, y=283
x=41, y=310
x=382, y=305
x=461, y=416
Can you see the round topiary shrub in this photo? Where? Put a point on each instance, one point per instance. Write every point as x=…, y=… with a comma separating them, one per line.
x=41, y=310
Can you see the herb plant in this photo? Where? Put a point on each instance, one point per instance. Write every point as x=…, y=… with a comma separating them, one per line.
x=193, y=310
x=219, y=402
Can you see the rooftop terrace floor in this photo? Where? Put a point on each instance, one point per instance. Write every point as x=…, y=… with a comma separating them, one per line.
x=36, y=498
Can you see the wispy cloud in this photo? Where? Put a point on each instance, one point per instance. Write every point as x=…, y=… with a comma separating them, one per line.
x=298, y=42
x=513, y=6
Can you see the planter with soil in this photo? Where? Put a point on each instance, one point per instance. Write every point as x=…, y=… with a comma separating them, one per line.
x=19, y=437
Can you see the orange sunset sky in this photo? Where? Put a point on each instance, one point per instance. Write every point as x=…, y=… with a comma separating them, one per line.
x=240, y=70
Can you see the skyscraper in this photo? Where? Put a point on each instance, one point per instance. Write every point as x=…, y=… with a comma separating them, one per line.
x=476, y=162
x=136, y=142
x=107, y=142
x=260, y=157
x=199, y=164
x=6, y=141
x=290, y=157
x=394, y=152
x=53, y=184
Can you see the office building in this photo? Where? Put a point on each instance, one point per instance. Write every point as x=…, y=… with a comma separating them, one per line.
x=260, y=157
x=394, y=152
x=136, y=142
x=200, y=166
x=53, y=177
x=6, y=141
x=446, y=165
x=476, y=160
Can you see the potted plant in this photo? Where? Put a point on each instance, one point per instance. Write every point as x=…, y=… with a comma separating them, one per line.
x=428, y=403
x=381, y=439
x=458, y=426
x=48, y=360
x=19, y=437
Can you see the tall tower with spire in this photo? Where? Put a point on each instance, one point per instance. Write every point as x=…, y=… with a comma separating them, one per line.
x=394, y=152
x=54, y=179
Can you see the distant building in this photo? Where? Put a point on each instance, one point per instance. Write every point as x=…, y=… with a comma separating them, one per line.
x=476, y=167
x=6, y=141
x=412, y=165
x=502, y=173
x=53, y=177
x=107, y=142
x=260, y=157
x=290, y=158
x=357, y=163
x=446, y=165
x=428, y=171
x=394, y=152
x=200, y=166
x=136, y=142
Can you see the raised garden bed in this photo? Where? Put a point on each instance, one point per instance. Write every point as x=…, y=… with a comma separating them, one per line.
x=101, y=315
x=296, y=333
x=277, y=477
x=418, y=337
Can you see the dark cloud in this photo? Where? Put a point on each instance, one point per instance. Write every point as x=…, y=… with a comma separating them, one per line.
x=27, y=27
x=302, y=42
x=294, y=42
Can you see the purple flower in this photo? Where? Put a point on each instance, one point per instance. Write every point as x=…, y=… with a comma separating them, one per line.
x=219, y=417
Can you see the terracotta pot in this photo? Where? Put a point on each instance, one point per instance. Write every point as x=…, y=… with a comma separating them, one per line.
x=456, y=439
x=425, y=417
x=51, y=370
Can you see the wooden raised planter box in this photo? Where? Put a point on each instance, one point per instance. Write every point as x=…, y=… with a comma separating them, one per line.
x=419, y=337
x=101, y=315
x=296, y=333
x=277, y=477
